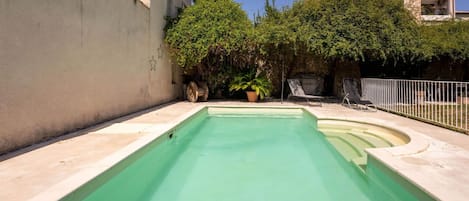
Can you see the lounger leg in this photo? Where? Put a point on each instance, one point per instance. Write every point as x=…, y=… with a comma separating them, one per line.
x=348, y=102
x=372, y=107
x=345, y=99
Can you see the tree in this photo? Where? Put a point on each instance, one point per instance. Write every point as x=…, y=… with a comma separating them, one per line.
x=217, y=37
x=358, y=30
x=216, y=27
x=448, y=40
x=275, y=36
x=209, y=36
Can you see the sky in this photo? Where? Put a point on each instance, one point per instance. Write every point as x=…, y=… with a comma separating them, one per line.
x=253, y=6
x=462, y=5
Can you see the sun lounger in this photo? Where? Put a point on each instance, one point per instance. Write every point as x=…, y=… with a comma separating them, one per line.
x=352, y=97
x=298, y=92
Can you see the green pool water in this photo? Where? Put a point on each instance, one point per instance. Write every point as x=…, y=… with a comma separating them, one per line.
x=236, y=157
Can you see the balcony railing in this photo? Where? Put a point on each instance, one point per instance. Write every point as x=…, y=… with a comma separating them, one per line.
x=436, y=17
x=440, y=102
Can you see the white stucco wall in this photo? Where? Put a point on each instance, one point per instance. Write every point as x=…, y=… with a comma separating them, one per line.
x=415, y=7
x=69, y=64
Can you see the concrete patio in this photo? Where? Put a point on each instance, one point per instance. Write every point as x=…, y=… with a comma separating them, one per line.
x=436, y=162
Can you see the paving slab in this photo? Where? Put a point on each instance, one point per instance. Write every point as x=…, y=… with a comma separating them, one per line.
x=438, y=166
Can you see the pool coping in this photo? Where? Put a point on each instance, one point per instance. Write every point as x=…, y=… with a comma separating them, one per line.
x=390, y=157
x=417, y=144
x=63, y=188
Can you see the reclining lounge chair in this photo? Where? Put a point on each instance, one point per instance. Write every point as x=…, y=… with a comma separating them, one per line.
x=298, y=92
x=352, y=96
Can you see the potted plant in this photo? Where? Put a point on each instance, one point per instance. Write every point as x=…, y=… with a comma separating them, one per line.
x=255, y=86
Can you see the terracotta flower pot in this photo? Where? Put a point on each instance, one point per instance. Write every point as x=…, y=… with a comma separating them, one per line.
x=252, y=96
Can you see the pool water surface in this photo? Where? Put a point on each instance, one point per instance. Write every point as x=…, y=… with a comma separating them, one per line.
x=238, y=157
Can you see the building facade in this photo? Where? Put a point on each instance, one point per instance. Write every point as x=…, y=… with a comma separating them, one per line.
x=435, y=10
x=66, y=65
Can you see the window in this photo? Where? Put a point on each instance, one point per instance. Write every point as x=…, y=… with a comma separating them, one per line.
x=435, y=7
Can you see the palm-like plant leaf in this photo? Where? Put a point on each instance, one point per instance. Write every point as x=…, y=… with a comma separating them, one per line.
x=260, y=84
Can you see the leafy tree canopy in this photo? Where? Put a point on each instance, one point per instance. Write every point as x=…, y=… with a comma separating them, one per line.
x=450, y=40
x=357, y=29
x=276, y=28
x=218, y=35
x=209, y=27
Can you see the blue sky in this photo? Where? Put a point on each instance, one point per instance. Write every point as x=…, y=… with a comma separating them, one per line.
x=252, y=6
x=462, y=5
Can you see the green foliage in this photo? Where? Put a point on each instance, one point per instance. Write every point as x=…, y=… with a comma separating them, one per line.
x=276, y=41
x=249, y=81
x=218, y=38
x=446, y=40
x=172, y=21
x=209, y=27
x=357, y=30
x=277, y=29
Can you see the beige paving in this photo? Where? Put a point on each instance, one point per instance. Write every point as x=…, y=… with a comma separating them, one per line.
x=436, y=161
x=439, y=164
x=29, y=174
x=26, y=175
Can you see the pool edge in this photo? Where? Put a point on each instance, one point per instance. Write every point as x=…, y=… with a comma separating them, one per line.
x=417, y=144
x=386, y=156
x=78, y=179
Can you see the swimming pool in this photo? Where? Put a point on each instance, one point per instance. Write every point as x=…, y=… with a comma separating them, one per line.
x=351, y=139
x=245, y=154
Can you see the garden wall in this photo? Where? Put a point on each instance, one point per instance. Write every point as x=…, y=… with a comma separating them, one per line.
x=65, y=65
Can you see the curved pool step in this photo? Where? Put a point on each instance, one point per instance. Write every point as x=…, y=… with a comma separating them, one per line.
x=351, y=143
x=344, y=141
x=393, y=136
x=351, y=139
x=373, y=139
x=392, y=139
x=368, y=140
x=345, y=149
x=349, y=150
x=360, y=163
